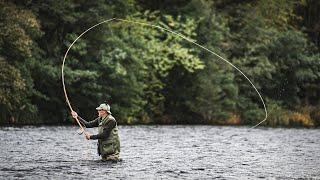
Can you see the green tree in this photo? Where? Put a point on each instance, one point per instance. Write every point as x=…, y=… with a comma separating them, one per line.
x=12, y=92
x=62, y=22
x=281, y=64
x=19, y=28
x=215, y=92
x=147, y=55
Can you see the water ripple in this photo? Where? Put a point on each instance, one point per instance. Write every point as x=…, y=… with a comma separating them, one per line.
x=162, y=152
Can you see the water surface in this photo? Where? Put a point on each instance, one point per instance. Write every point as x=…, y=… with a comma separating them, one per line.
x=162, y=152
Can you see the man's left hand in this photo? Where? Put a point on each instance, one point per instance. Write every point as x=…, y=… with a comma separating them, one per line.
x=87, y=135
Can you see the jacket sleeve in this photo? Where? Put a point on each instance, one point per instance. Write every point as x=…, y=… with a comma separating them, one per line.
x=90, y=124
x=106, y=131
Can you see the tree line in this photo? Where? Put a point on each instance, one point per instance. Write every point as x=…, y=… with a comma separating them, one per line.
x=149, y=76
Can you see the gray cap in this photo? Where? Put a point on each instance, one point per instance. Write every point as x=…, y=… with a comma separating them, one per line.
x=105, y=107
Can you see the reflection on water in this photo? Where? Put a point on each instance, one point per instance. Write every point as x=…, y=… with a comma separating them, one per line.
x=154, y=152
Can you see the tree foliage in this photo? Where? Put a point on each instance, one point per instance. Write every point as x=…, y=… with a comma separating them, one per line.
x=149, y=75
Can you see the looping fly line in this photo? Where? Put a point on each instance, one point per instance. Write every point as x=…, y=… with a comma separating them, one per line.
x=168, y=31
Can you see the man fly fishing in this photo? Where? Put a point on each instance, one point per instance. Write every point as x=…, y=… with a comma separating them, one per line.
x=108, y=138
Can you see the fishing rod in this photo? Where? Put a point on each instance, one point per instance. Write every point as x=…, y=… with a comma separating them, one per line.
x=82, y=128
x=174, y=33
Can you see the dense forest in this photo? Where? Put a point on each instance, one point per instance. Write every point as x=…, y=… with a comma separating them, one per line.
x=149, y=76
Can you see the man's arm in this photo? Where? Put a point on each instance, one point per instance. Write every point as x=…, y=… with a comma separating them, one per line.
x=90, y=124
x=94, y=123
x=106, y=131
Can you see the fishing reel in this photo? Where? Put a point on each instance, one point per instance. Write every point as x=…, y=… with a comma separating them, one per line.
x=80, y=131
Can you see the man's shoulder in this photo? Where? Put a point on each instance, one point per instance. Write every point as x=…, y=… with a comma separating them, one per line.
x=107, y=120
x=110, y=117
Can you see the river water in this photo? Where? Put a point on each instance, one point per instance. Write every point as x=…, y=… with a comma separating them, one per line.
x=162, y=152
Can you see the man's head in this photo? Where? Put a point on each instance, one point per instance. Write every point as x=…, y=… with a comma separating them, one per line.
x=103, y=110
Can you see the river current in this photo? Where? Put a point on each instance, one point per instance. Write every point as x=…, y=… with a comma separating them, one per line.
x=162, y=152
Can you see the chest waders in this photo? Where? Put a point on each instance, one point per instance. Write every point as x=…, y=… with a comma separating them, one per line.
x=111, y=145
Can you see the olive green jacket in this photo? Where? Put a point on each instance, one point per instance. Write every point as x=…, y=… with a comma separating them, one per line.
x=110, y=145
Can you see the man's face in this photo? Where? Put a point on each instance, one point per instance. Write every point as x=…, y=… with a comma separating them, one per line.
x=102, y=113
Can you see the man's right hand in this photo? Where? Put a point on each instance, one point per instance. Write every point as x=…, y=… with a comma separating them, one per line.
x=74, y=114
